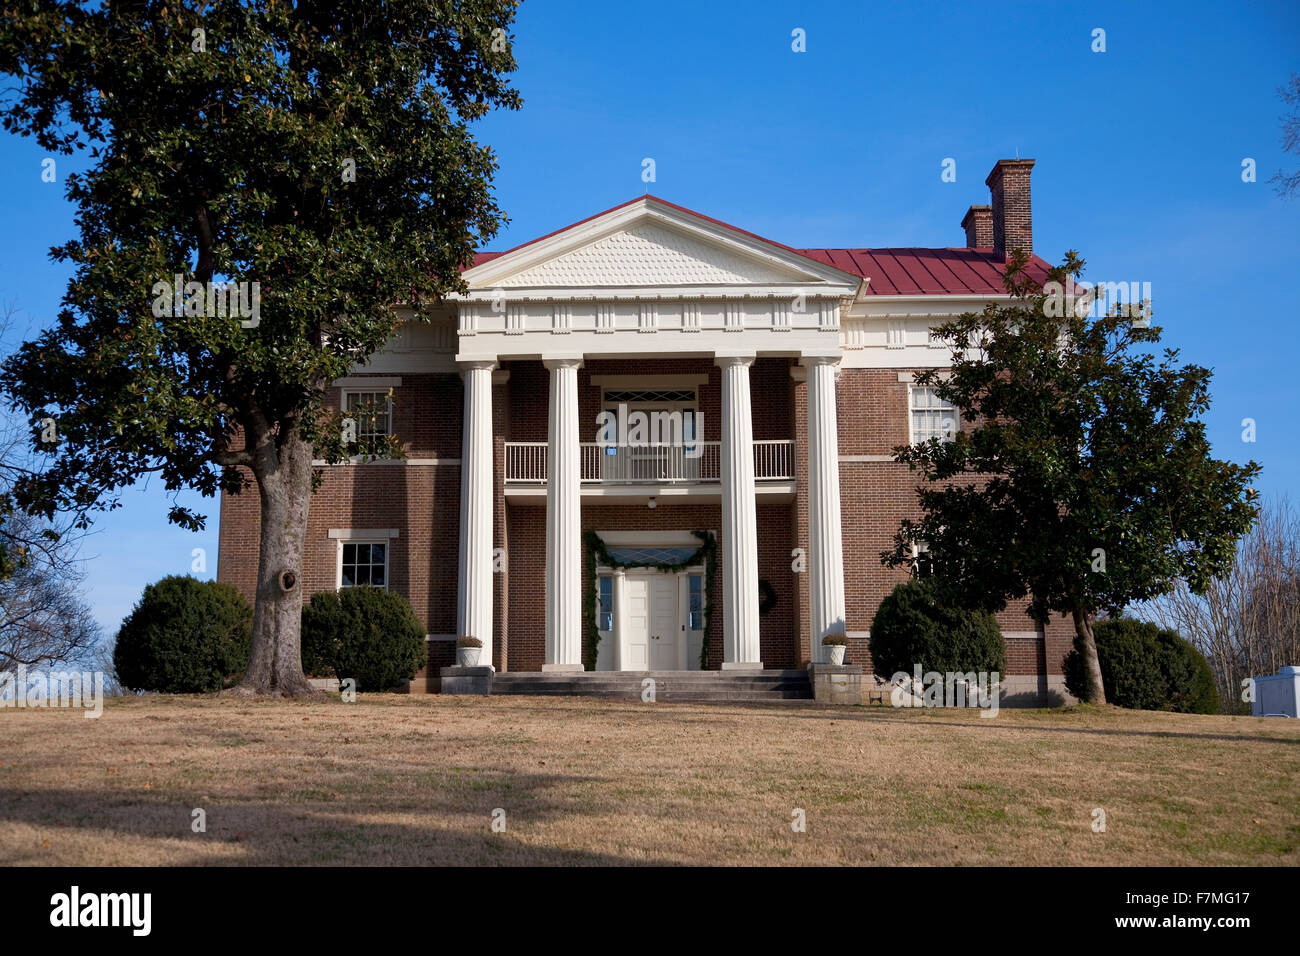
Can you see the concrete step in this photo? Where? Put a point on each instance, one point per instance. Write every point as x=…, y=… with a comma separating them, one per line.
x=669, y=685
x=637, y=676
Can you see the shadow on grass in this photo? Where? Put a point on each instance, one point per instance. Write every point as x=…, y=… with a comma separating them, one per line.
x=287, y=831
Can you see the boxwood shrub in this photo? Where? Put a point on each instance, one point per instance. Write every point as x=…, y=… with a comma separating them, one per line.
x=184, y=636
x=919, y=623
x=1144, y=667
x=364, y=633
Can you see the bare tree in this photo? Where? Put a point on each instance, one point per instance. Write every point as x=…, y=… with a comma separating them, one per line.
x=1247, y=623
x=1288, y=183
x=43, y=618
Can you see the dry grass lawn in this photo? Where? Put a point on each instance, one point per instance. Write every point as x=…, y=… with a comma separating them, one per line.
x=415, y=780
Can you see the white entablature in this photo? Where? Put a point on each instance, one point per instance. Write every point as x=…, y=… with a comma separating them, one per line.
x=649, y=277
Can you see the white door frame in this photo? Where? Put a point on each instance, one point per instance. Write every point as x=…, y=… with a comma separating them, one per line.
x=618, y=636
x=649, y=539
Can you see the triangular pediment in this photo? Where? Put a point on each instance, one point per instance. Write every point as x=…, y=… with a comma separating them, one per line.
x=650, y=254
x=650, y=244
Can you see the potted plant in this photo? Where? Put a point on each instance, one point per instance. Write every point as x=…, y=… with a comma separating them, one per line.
x=467, y=651
x=836, y=644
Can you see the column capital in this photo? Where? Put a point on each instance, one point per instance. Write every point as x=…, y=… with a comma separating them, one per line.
x=466, y=365
x=727, y=359
x=563, y=361
x=809, y=359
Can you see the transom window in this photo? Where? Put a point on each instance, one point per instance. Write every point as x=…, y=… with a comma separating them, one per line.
x=650, y=556
x=372, y=412
x=364, y=563
x=656, y=396
x=932, y=417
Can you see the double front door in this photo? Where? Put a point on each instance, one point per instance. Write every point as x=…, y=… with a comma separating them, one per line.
x=654, y=634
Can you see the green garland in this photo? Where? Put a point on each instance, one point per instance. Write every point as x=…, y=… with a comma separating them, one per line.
x=598, y=555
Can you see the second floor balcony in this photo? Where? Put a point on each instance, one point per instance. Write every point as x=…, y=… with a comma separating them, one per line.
x=648, y=469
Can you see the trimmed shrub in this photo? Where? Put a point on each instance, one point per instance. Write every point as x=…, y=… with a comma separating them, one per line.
x=184, y=636
x=364, y=633
x=1191, y=681
x=919, y=623
x=1144, y=667
x=1130, y=664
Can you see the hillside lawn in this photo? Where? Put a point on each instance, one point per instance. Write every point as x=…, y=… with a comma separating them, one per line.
x=396, y=779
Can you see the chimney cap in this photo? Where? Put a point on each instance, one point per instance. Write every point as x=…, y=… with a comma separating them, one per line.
x=1002, y=164
x=974, y=210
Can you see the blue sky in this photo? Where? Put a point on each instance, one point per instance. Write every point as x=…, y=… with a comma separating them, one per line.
x=1139, y=154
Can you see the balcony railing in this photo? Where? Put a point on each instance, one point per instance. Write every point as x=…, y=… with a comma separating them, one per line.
x=656, y=464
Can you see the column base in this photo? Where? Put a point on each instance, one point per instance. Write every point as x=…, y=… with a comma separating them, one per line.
x=742, y=665
x=562, y=668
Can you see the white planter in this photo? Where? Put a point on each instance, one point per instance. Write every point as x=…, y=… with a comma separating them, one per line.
x=835, y=653
x=467, y=656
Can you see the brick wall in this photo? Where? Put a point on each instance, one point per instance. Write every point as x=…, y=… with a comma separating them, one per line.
x=426, y=413
x=876, y=495
x=422, y=501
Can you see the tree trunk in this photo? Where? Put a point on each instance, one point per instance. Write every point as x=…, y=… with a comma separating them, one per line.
x=284, y=485
x=1096, y=693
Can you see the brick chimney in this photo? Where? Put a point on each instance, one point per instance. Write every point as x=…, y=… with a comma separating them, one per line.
x=978, y=223
x=1012, y=224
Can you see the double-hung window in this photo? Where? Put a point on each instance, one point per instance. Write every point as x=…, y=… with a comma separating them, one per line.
x=364, y=563
x=931, y=416
x=372, y=415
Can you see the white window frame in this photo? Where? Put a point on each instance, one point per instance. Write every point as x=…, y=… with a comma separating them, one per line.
x=919, y=548
x=385, y=391
x=386, y=537
x=912, y=409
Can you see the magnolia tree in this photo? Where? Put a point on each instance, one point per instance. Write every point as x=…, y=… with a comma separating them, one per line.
x=1083, y=480
x=264, y=182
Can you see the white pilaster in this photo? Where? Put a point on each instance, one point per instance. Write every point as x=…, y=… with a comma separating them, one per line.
x=563, y=522
x=619, y=591
x=474, y=572
x=739, y=520
x=825, y=540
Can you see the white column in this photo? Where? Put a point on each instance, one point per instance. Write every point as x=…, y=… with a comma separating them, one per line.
x=619, y=591
x=563, y=522
x=740, y=650
x=474, y=573
x=825, y=540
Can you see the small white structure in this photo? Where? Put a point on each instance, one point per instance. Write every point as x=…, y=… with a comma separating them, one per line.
x=1277, y=695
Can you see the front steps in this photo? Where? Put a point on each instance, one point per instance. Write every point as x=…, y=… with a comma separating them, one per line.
x=773, y=685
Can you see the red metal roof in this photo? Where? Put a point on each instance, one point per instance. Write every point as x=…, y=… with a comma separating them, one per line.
x=891, y=271
x=926, y=271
